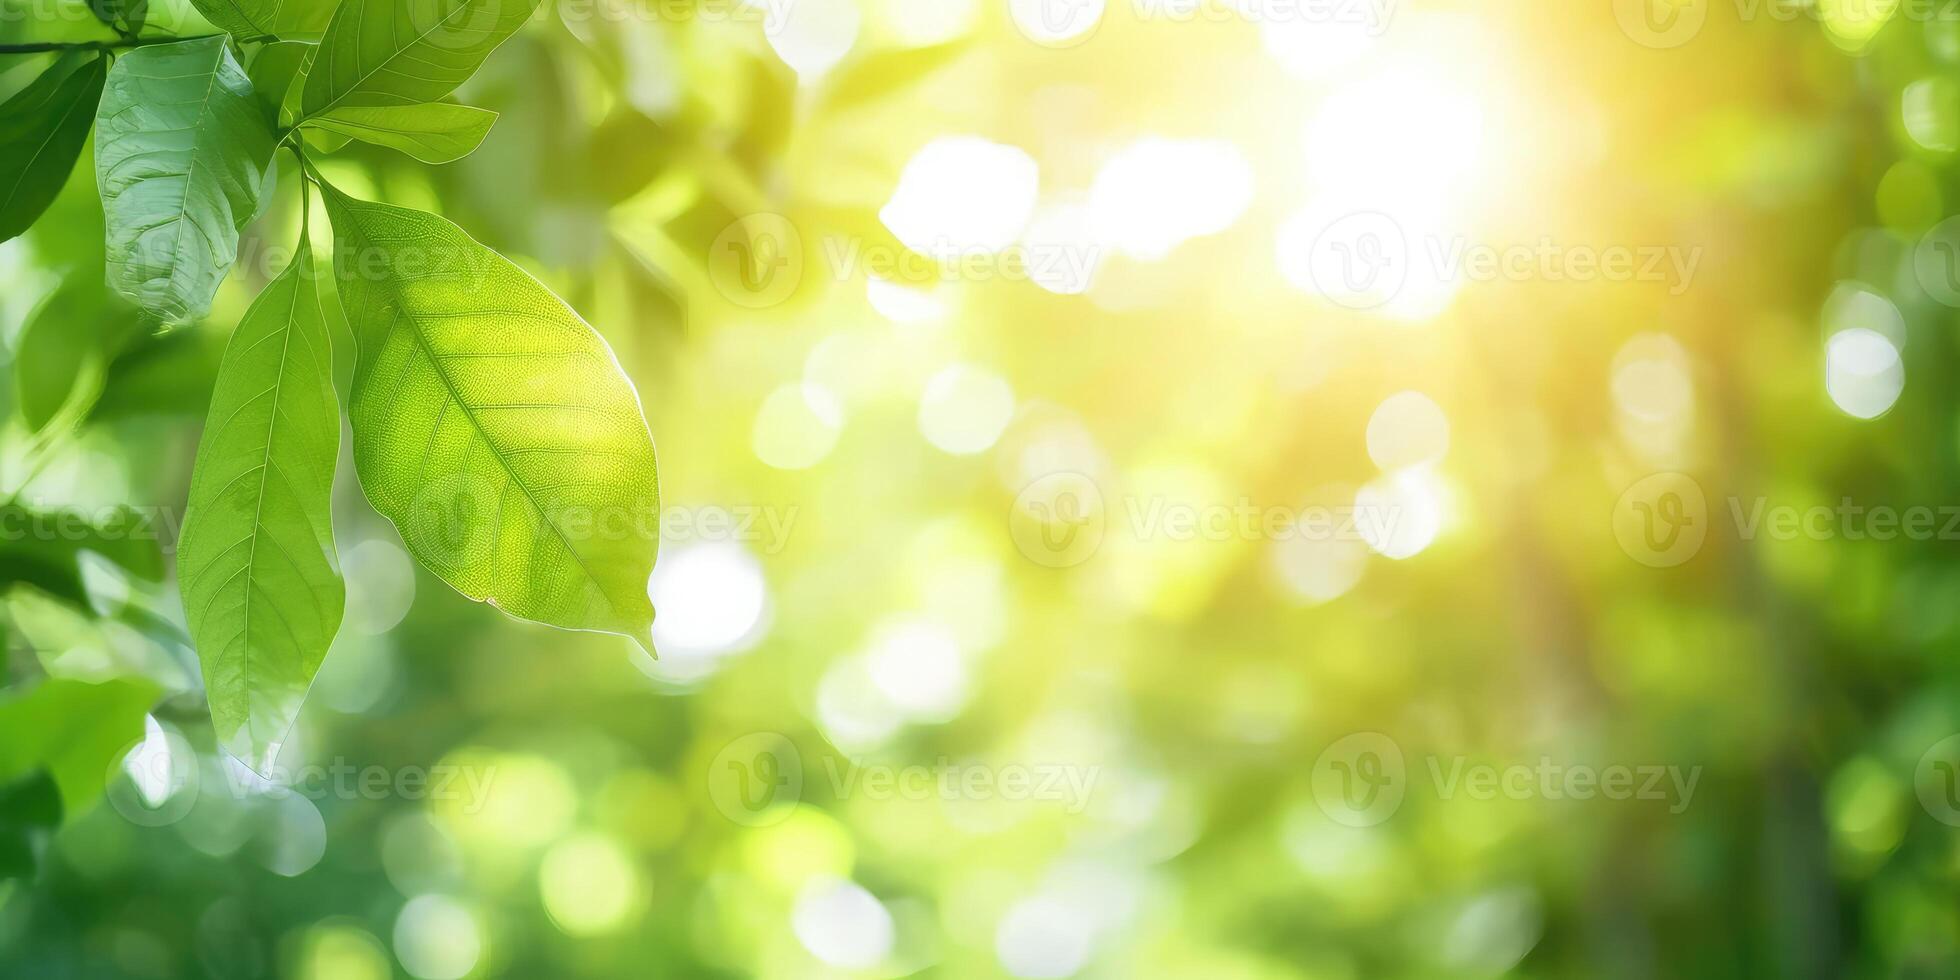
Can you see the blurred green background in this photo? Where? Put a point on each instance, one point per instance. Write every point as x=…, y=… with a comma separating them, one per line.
x=981, y=339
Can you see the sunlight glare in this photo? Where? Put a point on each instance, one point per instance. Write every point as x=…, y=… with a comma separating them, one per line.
x=1156, y=194
x=962, y=194
x=1403, y=137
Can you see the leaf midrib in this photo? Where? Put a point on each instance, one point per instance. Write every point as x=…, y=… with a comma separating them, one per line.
x=190, y=168
x=35, y=157
x=265, y=472
x=263, y=29
x=385, y=62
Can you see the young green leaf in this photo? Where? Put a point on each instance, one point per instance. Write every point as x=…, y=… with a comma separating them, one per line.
x=42, y=129
x=262, y=591
x=273, y=71
x=493, y=426
x=434, y=132
x=400, y=52
x=252, y=19
x=181, y=154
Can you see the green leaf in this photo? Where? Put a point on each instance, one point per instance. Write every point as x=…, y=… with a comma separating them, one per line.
x=273, y=71
x=493, y=426
x=126, y=16
x=43, y=547
x=254, y=19
x=66, y=347
x=91, y=644
x=262, y=592
x=401, y=52
x=75, y=730
x=434, y=132
x=167, y=375
x=181, y=156
x=42, y=129
x=627, y=151
x=30, y=811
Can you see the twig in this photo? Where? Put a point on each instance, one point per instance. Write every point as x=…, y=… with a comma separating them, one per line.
x=133, y=42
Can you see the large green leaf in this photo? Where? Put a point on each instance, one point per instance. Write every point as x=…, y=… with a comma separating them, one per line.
x=401, y=52
x=257, y=19
x=433, y=132
x=493, y=426
x=261, y=589
x=181, y=150
x=42, y=129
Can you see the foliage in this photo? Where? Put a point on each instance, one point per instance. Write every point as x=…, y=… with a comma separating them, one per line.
x=185, y=137
x=893, y=730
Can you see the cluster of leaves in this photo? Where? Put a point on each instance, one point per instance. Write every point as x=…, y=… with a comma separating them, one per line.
x=489, y=421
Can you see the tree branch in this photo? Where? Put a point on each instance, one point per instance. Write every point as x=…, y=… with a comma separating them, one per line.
x=134, y=42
